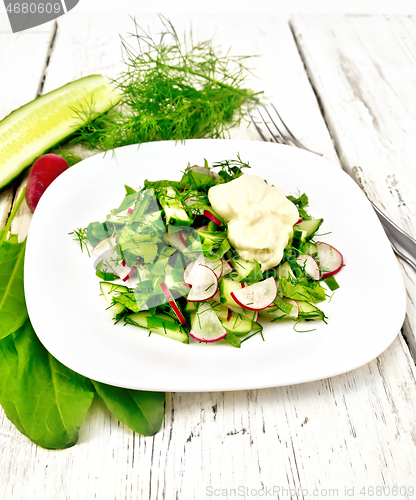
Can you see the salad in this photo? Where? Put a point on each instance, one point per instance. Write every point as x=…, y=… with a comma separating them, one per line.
x=167, y=265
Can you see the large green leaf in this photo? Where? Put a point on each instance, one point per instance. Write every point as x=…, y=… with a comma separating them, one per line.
x=45, y=400
x=12, y=297
x=142, y=411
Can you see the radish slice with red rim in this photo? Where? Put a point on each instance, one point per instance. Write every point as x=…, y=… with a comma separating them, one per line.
x=294, y=313
x=104, y=246
x=227, y=268
x=330, y=259
x=311, y=266
x=212, y=217
x=257, y=296
x=172, y=303
x=217, y=266
x=175, y=240
x=204, y=171
x=204, y=284
x=206, y=327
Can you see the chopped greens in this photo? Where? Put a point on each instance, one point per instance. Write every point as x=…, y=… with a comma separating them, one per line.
x=182, y=277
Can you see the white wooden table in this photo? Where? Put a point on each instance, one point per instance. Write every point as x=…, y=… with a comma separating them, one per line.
x=347, y=86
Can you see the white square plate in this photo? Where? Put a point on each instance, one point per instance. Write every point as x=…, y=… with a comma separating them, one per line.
x=69, y=316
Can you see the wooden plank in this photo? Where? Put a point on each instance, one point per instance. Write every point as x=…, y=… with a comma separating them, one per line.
x=363, y=68
x=355, y=430
x=23, y=57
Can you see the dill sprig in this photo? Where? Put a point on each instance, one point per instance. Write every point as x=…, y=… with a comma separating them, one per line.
x=81, y=236
x=171, y=91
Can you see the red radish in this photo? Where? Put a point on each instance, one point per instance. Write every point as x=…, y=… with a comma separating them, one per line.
x=204, y=171
x=203, y=228
x=204, y=285
x=186, y=274
x=172, y=303
x=330, y=259
x=257, y=296
x=130, y=211
x=183, y=238
x=175, y=240
x=227, y=268
x=212, y=217
x=294, y=313
x=42, y=173
x=217, y=266
x=104, y=246
x=229, y=314
x=190, y=270
x=130, y=274
x=311, y=266
x=206, y=327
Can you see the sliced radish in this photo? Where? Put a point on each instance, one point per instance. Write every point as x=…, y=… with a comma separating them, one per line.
x=206, y=327
x=257, y=296
x=183, y=238
x=172, y=303
x=212, y=217
x=311, y=266
x=300, y=220
x=130, y=211
x=203, y=228
x=175, y=240
x=330, y=260
x=191, y=269
x=227, y=268
x=204, y=171
x=130, y=274
x=204, y=284
x=217, y=266
x=186, y=274
x=294, y=313
x=104, y=246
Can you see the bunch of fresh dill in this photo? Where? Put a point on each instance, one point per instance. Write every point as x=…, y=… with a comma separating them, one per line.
x=171, y=92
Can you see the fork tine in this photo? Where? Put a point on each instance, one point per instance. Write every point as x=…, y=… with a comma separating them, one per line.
x=257, y=127
x=280, y=136
x=294, y=139
x=268, y=128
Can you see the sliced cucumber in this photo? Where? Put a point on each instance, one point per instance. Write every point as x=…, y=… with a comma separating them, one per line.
x=162, y=324
x=212, y=237
x=309, y=311
x=247, y=269
x=239, y=325
x=174, y=209
x=110, y=290
x=309, y=226
x=225, y=287
x=37, y=126
x=285, y=270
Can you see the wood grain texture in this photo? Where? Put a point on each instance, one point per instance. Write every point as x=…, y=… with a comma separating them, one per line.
x=23, y=58
x=357, y=429
x=364, y=70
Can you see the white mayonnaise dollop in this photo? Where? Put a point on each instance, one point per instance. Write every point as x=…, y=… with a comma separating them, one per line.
x=260, y=218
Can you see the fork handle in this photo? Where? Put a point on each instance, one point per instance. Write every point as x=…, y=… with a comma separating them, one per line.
x=403, y=244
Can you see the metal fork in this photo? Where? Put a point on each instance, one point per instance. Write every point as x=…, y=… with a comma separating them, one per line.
x=403, y=244
x=282, y=135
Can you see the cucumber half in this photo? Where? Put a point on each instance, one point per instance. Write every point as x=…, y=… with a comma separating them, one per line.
x=37, y=126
